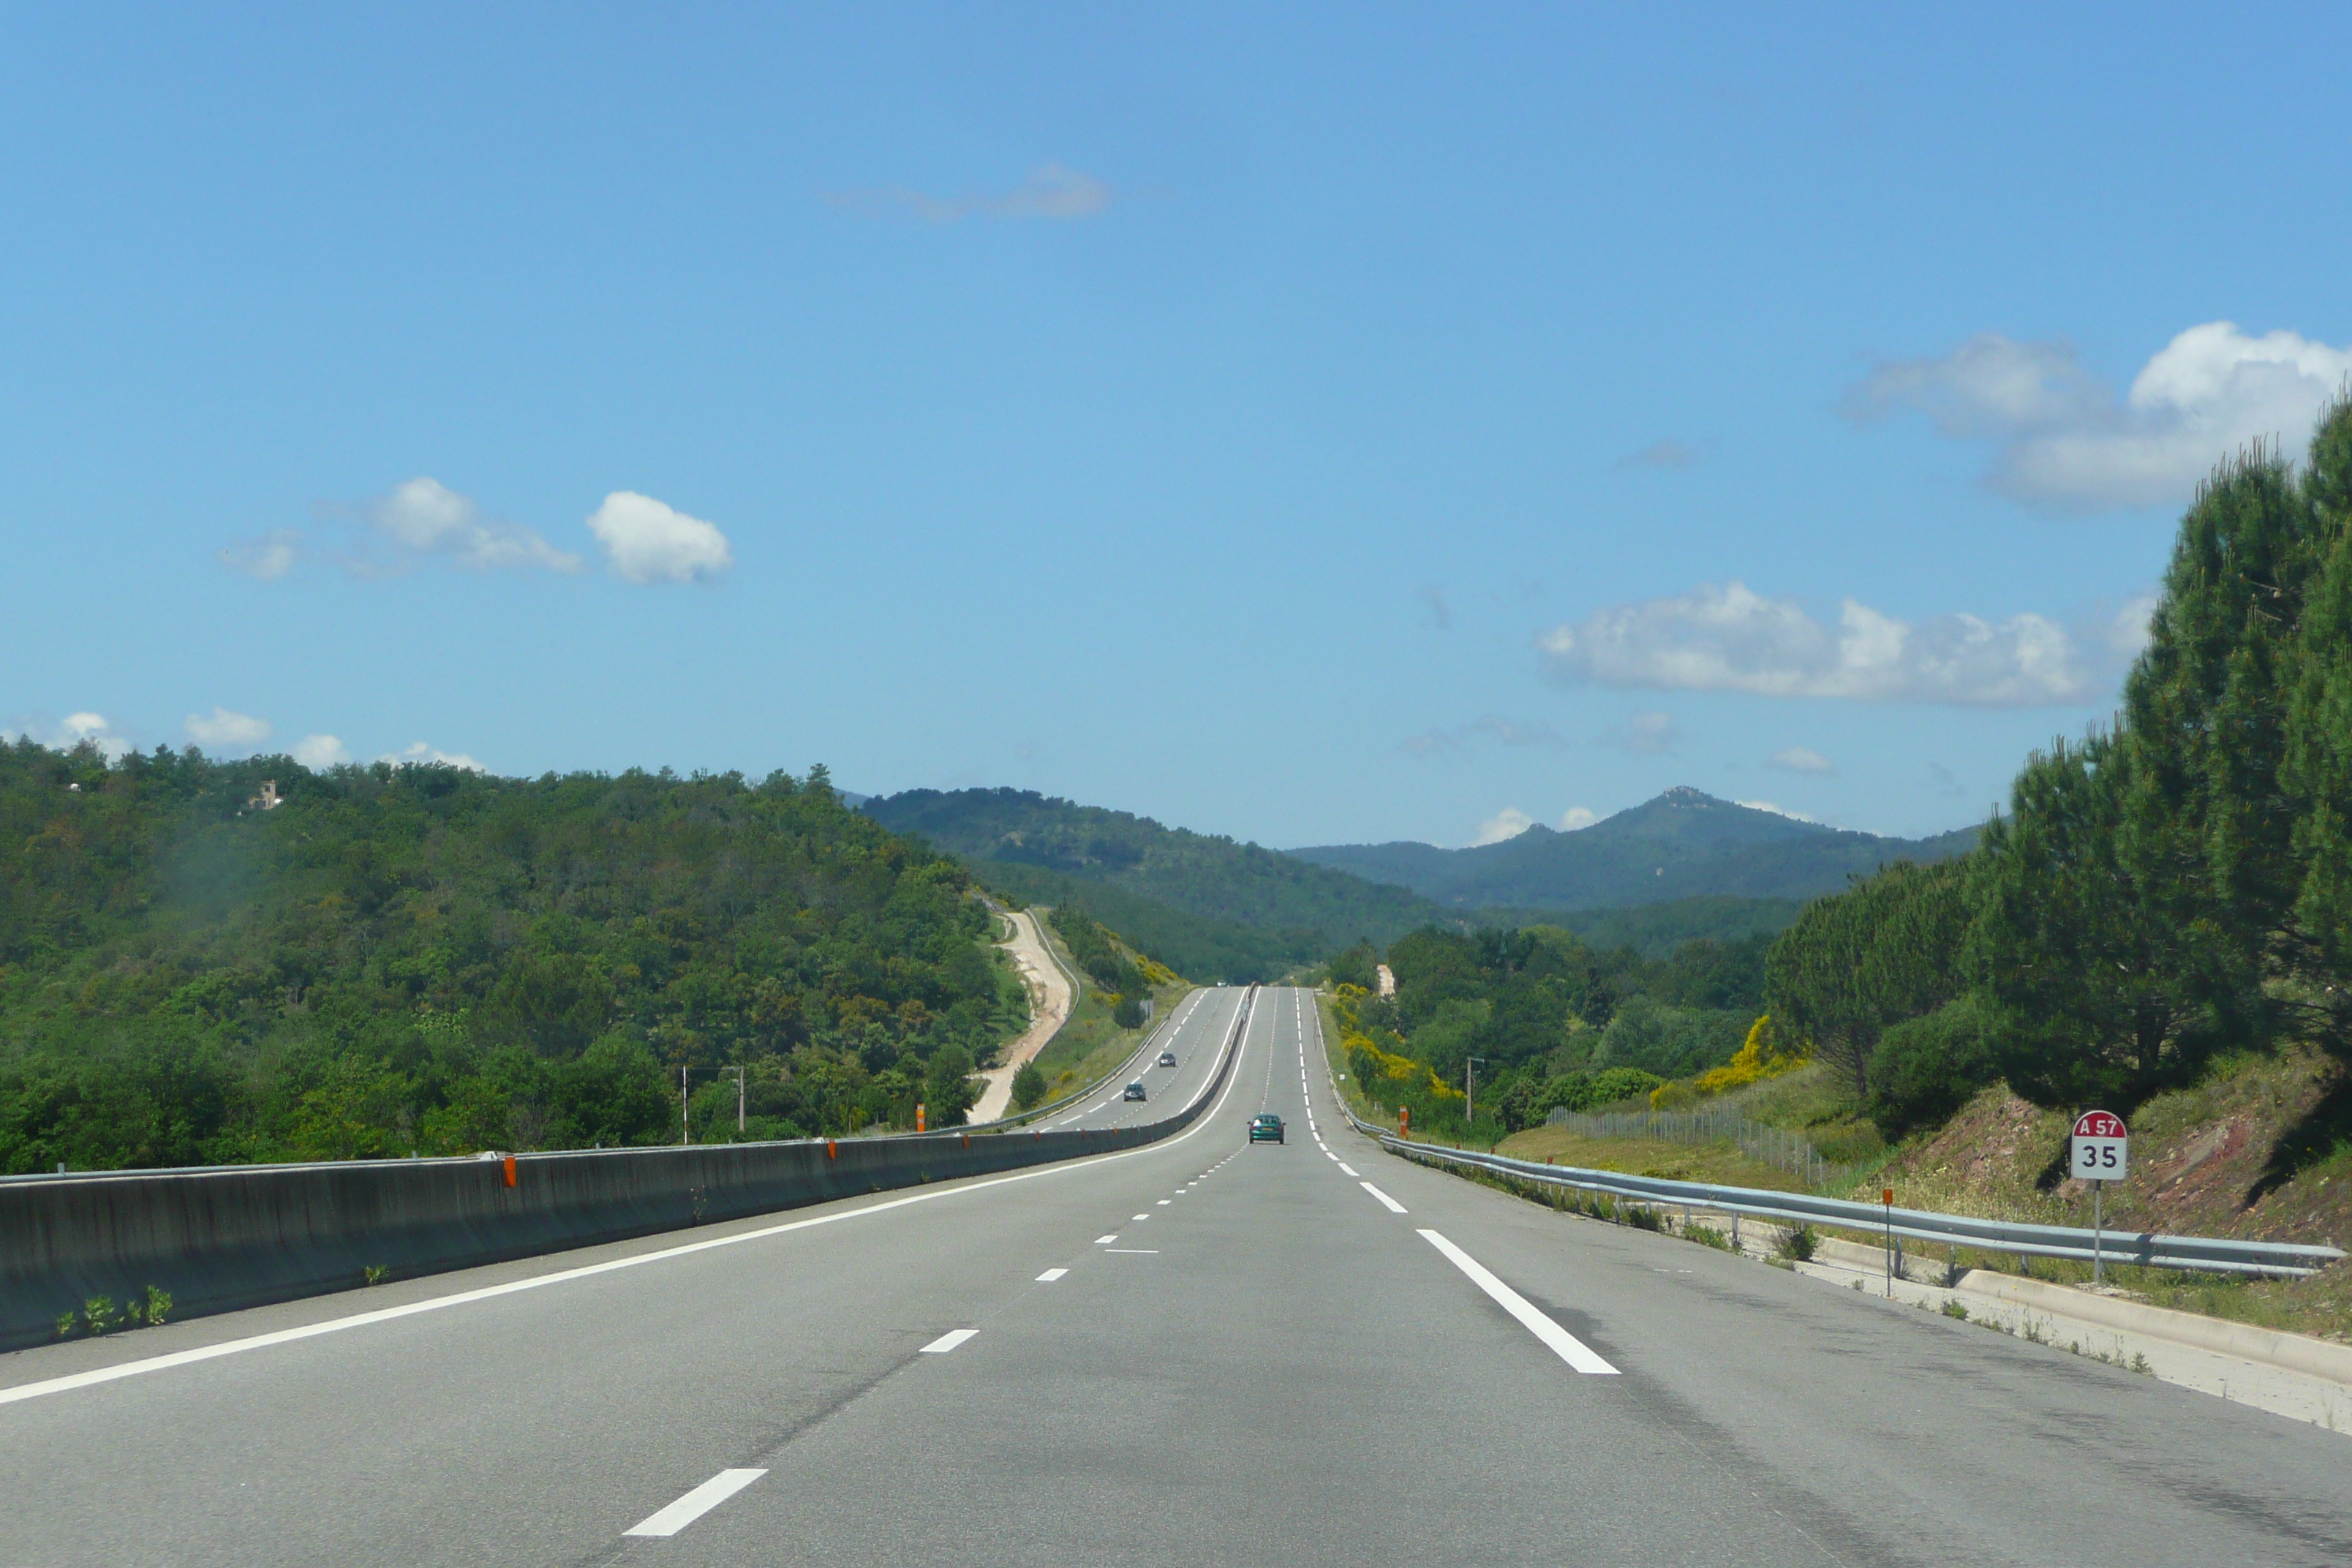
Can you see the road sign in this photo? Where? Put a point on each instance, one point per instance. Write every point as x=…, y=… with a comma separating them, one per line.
x=2100, y=1147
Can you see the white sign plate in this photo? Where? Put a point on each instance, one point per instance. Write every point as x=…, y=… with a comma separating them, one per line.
x=2101, y=1147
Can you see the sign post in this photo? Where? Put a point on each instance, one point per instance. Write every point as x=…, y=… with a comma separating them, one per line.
x=1887, y=1196
x=2102, y=1154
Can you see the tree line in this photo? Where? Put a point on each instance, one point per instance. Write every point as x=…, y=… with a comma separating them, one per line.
x=2174, y=887
x=416, y=959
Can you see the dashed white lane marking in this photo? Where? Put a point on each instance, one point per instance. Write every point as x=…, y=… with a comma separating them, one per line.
x=1393, y=1206
x=1565, y=1345
x=1165, y=1202
x=1345, y=1166
x=1135, y=1251
x=1105, y=1240
x=1143, y=1216
x=949, y=1340
x=1051, y=1275
x=695, y=1504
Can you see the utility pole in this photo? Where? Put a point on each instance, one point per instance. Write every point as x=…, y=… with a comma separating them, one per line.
x=1470, y=1091
x=739, y=1096
x=685, y=1128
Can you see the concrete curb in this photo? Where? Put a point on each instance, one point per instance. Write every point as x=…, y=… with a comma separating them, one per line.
x=2265, y=1347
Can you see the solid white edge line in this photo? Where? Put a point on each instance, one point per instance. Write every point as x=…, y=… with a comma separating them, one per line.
x=695, y=1504
x=949, y=1340
x=1565, y=1345
x=1393, y=1206
x=564, y=1276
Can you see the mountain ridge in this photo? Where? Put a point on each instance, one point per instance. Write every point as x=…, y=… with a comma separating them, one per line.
x=1681, y=843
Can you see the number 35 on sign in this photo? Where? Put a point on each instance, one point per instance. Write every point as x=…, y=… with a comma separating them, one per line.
x=2100, y=1147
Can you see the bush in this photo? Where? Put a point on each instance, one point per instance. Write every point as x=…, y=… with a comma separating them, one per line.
x=1128, y=1013
x=1925, y=1069
x=1800, y=1244
x=1028, y=1086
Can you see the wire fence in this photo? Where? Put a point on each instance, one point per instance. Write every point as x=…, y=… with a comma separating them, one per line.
x=1775, y=1146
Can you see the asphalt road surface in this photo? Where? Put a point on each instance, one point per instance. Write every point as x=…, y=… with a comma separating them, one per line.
x=1194, y=1029
x=1198, y=1353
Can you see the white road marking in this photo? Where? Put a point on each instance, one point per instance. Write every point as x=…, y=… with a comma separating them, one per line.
x=1051, y=1275
x=1105, y=1240
x=1344, y=1165
x=1136, y=1251
x=1565, y=1345
x=1143, y=1216
x=949, y=1340
x=1393, y=1206
x=1165, y=1202
x=695, y=1504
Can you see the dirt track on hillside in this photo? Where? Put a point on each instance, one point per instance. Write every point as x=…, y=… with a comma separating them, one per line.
x=1050, y=1000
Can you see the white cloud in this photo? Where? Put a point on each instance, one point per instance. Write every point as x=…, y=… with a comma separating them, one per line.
x=421, y=755
x=1051, y=191
x=1648, y=734
x=1731, y=639
x=320, y=751
x=2067, y=441
x=269, y=557
x=2128, y=632
x=647, y=542
x=92, y=728
x=1799, y=760
x=223, y=728
x=1577, y=817
x=424, y=517
x=1507, y=823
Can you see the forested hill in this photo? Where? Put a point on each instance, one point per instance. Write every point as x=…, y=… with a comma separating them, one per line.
x=426, y=959
x=1684, y=844
x=1313, y=908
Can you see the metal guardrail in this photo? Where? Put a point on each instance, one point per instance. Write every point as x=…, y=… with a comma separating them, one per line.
x=2146, y=1249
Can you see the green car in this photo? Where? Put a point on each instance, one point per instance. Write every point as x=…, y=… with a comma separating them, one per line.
x=1266, y=1129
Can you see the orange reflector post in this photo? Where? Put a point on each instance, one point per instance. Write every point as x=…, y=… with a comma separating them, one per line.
x=919, y=1117
x=510, y=1170
x=829, y=1152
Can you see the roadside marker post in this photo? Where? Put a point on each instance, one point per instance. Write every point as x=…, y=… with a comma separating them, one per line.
x=2102, y=1154
x=919, y=1116
x=1886, y=1197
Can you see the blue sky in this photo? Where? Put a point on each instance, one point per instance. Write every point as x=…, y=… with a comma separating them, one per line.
x=1328, y=424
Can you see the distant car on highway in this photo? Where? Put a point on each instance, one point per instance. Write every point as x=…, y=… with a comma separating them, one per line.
x=1266, y=1129
x=1168, y=1058
x=1135, y=1090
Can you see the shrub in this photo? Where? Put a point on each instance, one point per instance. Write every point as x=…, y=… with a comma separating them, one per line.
x=1128, y=1013
x=1798, y=1245
x=1028, y=1086
x=1925, y=1069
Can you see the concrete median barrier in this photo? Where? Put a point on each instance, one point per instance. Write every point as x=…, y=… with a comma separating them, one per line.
x=223, y=1237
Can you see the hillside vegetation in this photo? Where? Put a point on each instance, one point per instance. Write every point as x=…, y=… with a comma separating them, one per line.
x=1552, y=1023
x=2167, y=903
x=1683, y=845
x=424, y=959
x=1192, y=945
x=1306, y=907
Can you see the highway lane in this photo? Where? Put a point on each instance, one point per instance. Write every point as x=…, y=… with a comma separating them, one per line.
x=1200, y=1352
x=1194, y=1029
